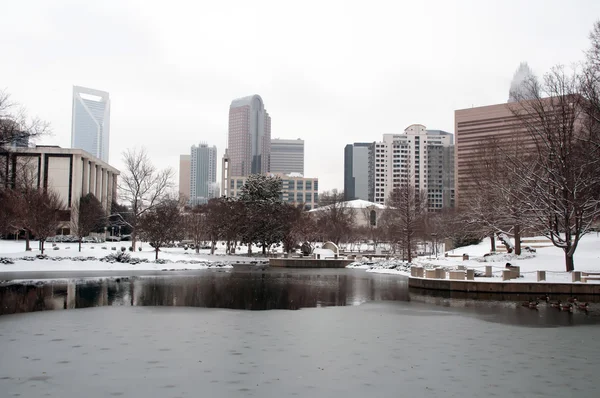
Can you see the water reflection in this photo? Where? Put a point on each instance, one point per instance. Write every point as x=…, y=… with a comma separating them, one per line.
x=236, y=290
x=277, y=289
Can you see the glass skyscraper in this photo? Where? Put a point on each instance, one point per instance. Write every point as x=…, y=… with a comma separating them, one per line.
x=90, y=125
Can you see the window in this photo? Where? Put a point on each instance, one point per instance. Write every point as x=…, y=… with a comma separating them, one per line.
x=373, y=218
x=316, y=197
x=299, y=197
x=316, y=184
x=309, y=185
x=299, y=185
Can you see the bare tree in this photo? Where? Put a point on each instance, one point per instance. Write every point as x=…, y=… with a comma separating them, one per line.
x=161, y=224
x=562, y=181
x=141, y=186
x=334, y=216
x=16, y=127
x=44, y=214
x=90, y=216
x=406, y=212
x=195, y=226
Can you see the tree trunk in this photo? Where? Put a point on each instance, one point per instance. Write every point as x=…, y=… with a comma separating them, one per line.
x=79, y=245
x=133, y=238
x=569, y=262
x=27, y=246
x=264, y=249
x=212, y=247
x=408, y=248
x=518, y=240
x=156, y=250
x=492, y=242
x=249, y=248
x=42, y=246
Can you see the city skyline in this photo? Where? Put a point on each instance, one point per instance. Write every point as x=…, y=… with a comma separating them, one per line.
x=336, y=84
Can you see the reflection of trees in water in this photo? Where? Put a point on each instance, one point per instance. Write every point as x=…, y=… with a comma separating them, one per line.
x=249, y=290
x=236, y=290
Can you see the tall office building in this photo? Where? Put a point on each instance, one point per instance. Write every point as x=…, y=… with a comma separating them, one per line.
x=90, y=124
x=419, y=157
x=359, y=171
x=249, y=138
x=203, y=174
x=475, y=129
x=287, y=156
x=185, y=170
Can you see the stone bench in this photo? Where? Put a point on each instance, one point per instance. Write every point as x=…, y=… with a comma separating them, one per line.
x=456, y=275
x=590, y=276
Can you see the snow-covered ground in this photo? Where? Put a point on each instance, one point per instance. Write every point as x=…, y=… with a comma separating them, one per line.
x=68, y=258
x=549, y=259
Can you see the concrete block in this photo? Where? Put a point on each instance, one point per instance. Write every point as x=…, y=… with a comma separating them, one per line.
x=541, y=276
x=440, y=273
x=506, y=274
x=470, y=274
x=576, y=276
x=488, y=271
x=431, y=273
x=457, y=275
x=420, y=272
x=461, y=267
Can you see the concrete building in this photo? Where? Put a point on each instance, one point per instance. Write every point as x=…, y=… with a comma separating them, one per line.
x=203, y=174
x=296, y=189
x=404, y=159
x=249, y=137
x=90, y=123
x=475, y=128
x=359, y=171
x=184, y=175
x=71, y=173
x=287, y=156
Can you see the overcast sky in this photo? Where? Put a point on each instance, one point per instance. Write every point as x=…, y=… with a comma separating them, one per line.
x=330, y=72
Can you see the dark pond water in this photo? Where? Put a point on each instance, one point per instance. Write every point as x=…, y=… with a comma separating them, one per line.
x=243, y=288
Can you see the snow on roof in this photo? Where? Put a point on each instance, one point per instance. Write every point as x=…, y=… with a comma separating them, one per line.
x=355, y=204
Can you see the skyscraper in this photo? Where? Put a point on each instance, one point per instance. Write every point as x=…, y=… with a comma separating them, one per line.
x=90, y=124
x=359, y=171
x=203, y=174
x=185, y=169
x=420, y=157
x=249, y=138
x=287, y=156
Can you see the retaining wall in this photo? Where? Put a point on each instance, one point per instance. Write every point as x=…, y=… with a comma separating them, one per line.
x=572, y=289
x=308, y=263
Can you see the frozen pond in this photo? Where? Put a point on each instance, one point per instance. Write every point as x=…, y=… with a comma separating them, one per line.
x=154, y=336
x=376, y=349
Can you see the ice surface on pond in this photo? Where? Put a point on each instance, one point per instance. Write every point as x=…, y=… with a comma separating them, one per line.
x=393, y=349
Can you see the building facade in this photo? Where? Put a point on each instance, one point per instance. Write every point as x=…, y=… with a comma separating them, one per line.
x=287, y=156
x=296, y=189
x=203, y=174
x=405, y=159
x=475, y=129
x=90, y=123
x=359, y=171
x=184, y=175
x=249, y=137
x=71, y=173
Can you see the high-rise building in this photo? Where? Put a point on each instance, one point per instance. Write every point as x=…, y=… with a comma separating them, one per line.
x=203, y=174
x=295, y=189
x=90, y=124
x=419, y=157
x=475, y=129
x=249, y=138
x=287, y=156
x=359, y=171
x=185, y=169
